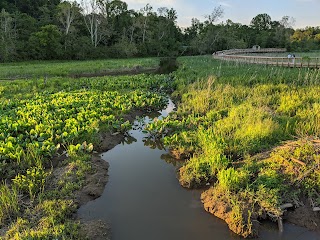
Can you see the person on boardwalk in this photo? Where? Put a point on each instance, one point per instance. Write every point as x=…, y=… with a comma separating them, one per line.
x=293, y=58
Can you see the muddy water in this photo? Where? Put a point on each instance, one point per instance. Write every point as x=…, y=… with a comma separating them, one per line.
x=144, y=201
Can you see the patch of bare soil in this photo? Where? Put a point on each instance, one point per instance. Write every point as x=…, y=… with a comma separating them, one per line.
x=217, y=203
x=95, y=183
x=304, y=216
x=96, y=230
x=93, y=188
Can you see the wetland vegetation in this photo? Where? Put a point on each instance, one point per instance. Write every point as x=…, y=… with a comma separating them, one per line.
x=249, y=132
x=48, y=132
x=252, y=133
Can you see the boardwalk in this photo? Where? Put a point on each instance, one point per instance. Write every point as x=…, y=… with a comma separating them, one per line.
x=237, y=55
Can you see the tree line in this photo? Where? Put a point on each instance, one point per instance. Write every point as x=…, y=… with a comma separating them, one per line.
x=55, y=29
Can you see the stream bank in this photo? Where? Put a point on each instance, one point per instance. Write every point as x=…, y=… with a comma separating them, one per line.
x=143, y=199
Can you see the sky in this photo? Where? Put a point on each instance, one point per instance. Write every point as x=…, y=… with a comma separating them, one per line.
x=305, y=12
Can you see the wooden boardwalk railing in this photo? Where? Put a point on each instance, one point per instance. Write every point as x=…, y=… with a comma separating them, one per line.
x=235, y=55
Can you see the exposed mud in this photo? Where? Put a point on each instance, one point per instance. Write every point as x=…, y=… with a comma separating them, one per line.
x=95, y=183
x=219, y=204
x=304, y=216
x=96, y=230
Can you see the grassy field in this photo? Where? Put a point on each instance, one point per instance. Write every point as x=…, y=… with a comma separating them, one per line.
x=251, y=132
x=35, y=69
x=43, y=121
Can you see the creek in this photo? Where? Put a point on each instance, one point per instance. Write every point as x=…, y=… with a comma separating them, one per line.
x=144, y=201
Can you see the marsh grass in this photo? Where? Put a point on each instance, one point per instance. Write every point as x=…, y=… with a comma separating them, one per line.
x=41, y=69
x=231, y=113
x=9, y=203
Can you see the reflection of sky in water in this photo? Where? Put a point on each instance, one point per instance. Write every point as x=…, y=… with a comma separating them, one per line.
x=169, y=109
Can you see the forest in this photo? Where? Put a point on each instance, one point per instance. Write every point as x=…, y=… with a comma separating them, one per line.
x=94, y=29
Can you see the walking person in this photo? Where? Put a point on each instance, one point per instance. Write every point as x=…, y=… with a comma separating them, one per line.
x=293, y=58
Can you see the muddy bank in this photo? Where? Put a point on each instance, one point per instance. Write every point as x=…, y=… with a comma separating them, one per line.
x=97, y=230
x=243, y=210
x=218, y=203
x=93, y=186
x=304, y=216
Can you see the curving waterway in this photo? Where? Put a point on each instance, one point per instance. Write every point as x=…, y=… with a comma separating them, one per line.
x=144, y=201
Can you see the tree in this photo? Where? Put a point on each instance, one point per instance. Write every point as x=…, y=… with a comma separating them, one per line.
x=45, y=44
x=261, y=22
x=146, y=13
x=67, y=13
x=7, y=36
x=215, y=15
x=35, y=8
x=117, y=18
x=93, y=20
x=287, y=22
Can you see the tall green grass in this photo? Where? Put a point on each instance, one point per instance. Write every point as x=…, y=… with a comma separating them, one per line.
x=9, y=203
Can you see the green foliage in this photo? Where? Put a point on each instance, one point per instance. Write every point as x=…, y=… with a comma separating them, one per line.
x=33, y=182
x=45, y=44
x=73, y=178
x=9, y=203
x=202, y=169
x=51, y=224
x=40, y=69
x=73, y=150
x=43, y=119
x=233, y=180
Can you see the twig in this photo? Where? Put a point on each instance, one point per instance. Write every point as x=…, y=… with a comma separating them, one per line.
x=298, y=161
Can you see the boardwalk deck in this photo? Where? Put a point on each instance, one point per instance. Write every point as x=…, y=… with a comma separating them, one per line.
x=237, y=56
